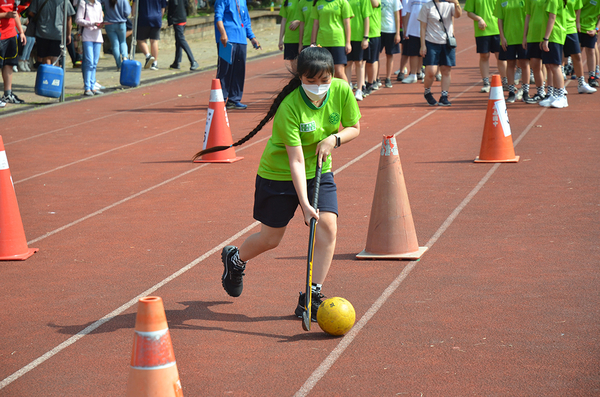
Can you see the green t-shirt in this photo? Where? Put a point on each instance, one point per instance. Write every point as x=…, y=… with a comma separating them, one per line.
x=589, y=15
x=303, y=14
x=559, y=33
x=375, y=21
x=570, y=16
x=512, y=13
x=538, y=19
x=299, y=123
x=361, y=10
x=331, y=15
x=289, y=13
x=484, y=9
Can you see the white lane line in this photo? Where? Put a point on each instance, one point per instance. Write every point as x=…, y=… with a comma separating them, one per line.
x=336, y=353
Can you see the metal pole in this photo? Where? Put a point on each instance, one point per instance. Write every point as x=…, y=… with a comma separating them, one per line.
x=63, y=48
x=134, y=33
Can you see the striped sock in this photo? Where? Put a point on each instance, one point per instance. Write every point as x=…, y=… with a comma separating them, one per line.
x=591, y=74
x=540, y=91
x=504, y=80
x=427, y=91
x=580, y=81
x=551, y=91
x=237, y=262
x=511, y=88
x=316, y=288
x=486, y=81
x=444, y=93
x=525, y=88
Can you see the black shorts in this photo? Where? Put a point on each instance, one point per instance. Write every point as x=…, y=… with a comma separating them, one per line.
x=47, y=48
x=338, y=54
x=9, y=49
x=554, y=56
x=290, y=51
x=147, y=32
x=571, y=46
x=357, y=52
x=387, y=43
x=534, y=51
x=587, y=41
x=371, y=54
x=275, y=202
x=412, y=46
x=514, y=51
x=487, y=44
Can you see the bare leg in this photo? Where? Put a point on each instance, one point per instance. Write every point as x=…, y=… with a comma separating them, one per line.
x=325, y=240
x=265, y=240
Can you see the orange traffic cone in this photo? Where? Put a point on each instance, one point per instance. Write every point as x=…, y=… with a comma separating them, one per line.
x=392, y=232
x=153, y=371
x=216, y=131
x=13, y=245
x=496, y=144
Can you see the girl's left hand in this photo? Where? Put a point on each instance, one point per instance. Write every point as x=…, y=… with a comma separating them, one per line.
x=348, y=48
x=324, y=148
x=544, y=46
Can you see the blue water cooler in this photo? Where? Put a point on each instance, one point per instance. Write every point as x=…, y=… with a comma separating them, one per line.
x=49, y=81
x=131, y=72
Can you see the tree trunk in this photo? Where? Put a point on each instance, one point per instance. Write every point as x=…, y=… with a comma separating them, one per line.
x=191, y=7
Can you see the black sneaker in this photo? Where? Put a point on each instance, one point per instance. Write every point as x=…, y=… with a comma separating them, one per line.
x=149, y=60
x=525, y=97
x=315, y=302
x=174, y=66
x=12, y=98
x=593, y=82
x=535, y=99
x=511, y=97
x=194, y=66
x=444, y=101
x=233, y=276
x=430, y=99
x=388, y=83
x=367, y=90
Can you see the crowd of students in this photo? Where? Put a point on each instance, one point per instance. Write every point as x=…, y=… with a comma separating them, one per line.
x=534, y=41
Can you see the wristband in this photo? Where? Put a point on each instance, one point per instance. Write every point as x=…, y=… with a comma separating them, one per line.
x=545, y=39
x=338, y=141
x=597, y=29
x=367, y=37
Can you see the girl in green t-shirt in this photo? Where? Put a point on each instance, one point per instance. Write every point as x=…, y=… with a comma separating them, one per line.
x=306, y=128
x=289, y=34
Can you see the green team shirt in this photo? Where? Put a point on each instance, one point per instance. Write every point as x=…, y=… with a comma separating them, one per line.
x=589, y=15
x=559, y=32
x=299, y=123
x=331, y=15
x=361, y=10
x=512, y=13
x=570, y=16
x=303, y=14
x=375, y=21
x=484, y=9
x=538, y=19
x=289, y=13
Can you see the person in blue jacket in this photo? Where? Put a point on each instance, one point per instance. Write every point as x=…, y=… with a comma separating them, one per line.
x=232, y=25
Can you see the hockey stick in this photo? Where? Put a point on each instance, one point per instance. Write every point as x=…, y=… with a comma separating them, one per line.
x=306, y=316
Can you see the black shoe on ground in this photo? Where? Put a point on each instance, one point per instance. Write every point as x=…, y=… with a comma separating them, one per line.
x=315, y=302
x=525, y=97
x=175, y=66
x=444, y=101
x=233, y=276
x=149, y=60
x=388, y=83
x=535, y=99
x=12, y=98
x=367, y=90
x=430, y=99
x=194, y=65
x=593, y=82
x=511, y=97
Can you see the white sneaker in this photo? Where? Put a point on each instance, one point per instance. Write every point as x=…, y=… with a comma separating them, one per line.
x=519, y=94
x=22, y=67
x=15, y=69
x=547, y=102
x=358, y=95
x=485, y=88
x=560, y=102
x=586, y=89
x=438, y=77
x=98, y=86
x=411, y=78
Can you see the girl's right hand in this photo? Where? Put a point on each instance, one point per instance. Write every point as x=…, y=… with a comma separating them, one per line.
x=423, y=51
x=310, y=213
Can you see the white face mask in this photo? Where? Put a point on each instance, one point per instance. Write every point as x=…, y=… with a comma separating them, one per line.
x=316, y=92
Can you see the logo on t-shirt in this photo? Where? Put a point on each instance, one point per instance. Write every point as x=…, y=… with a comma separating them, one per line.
x=308, y=127
x=334, y=118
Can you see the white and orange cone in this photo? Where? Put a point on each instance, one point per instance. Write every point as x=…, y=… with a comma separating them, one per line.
x=153, y=370
x=496, y=143
x=392, y=232
x=13, y=244
x=217, y=131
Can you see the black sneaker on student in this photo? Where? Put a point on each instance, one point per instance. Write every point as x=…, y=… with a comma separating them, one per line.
x=430, y=99
x=233, y=275
x=149, y=60
x=511, y=97
x=444, y=101
x=367, y=90
x=194, y=66
x=315, y=302
x=593, y=82
x=534, y=99
x=525, y=97
x=12, y=98
x=175, y=66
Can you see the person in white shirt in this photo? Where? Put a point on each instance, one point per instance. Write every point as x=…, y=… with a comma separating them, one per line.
x=390, y=34
x=412, y=41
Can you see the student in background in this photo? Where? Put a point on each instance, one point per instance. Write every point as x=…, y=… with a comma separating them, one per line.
x=289, y=34
x=588, y=37
x=371, y=55
x=115, y=18
x=390, y=35
x=571, y=46
x=411, y=46
x=177, y=17
x=359, y=40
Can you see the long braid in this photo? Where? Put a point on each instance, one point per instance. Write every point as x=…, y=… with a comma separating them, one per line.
x=291, y=86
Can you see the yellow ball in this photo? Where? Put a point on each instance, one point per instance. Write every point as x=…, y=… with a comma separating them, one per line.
x=336, y=316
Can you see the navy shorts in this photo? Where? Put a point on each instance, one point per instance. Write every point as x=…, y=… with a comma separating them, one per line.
x=412, y=46
x=47, y=47
x=571, y=46
x=439, y=54
x=275, y=202
x=387, y=43
x=371, y=54
x=515, y=51
x=290, y=51
x=587, y=41
x=338, y=54
x=357, y=52
x=487, y=44
x=554, y=56
x=534, y=51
